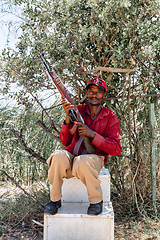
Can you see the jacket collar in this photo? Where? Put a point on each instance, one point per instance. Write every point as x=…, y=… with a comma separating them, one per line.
x=101, y=115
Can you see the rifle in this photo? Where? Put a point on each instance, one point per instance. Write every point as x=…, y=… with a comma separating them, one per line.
x=73, y=114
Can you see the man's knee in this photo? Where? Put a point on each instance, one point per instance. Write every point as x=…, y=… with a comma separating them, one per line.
x=79, y=165
x=59, y=157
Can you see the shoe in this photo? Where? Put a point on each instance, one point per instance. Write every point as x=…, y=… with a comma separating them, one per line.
x=95, y=209
x=52, y=207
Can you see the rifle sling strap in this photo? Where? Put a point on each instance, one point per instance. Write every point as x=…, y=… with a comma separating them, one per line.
x=77, y=146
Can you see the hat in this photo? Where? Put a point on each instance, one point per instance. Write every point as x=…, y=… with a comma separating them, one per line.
x=99, y=83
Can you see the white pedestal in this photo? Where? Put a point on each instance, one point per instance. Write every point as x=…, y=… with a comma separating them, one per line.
x=72, y=223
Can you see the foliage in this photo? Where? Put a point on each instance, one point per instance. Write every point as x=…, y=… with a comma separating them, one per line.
x=19, y=164
x=80, y=36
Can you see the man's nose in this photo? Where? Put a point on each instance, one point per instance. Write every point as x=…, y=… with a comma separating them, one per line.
x=94, y=94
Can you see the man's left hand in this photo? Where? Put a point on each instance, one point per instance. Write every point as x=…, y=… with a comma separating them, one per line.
x=85, y=130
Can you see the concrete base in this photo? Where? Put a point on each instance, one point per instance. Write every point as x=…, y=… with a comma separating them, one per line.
x=72, y=223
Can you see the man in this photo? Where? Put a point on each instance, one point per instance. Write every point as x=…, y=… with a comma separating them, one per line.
x=103, y=129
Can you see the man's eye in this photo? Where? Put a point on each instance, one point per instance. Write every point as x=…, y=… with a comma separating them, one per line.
x=94, y=92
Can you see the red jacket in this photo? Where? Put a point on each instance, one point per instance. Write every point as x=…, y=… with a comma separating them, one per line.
x=107, y=128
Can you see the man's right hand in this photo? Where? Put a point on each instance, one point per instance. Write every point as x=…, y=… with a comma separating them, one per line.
x=67, y=106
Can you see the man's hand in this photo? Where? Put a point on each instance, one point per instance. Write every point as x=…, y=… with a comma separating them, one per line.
x=85, y=130
x=67, y=106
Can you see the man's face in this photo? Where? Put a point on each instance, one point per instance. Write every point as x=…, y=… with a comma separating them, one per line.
x=95, y=95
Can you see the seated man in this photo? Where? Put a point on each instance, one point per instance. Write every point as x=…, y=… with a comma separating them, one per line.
x=102, y=127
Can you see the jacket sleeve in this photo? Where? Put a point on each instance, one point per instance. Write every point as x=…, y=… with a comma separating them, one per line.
x=65, y=134
x=111, y=143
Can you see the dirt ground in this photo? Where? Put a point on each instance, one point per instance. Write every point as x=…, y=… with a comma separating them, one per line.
x=141, y=230
x=123, y=231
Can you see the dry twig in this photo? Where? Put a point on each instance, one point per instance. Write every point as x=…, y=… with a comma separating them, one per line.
x=27, y=149
x=22, y=188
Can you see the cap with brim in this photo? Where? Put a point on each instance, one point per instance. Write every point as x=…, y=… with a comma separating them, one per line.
x=100, y=83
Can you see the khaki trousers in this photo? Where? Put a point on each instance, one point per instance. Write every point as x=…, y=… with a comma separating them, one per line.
x=63, y=164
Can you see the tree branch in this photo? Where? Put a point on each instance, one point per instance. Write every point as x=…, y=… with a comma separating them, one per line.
x=106, y=69
x=21, y=188
x=41, y=124
x=53, y=123
x=142, y=96
x=27, y=149
x=115, y=98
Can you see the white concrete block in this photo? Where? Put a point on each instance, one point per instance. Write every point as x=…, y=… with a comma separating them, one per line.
x=73, y=190
x=72, y=223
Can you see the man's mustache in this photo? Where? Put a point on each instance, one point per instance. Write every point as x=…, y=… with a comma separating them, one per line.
x=94, y=98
